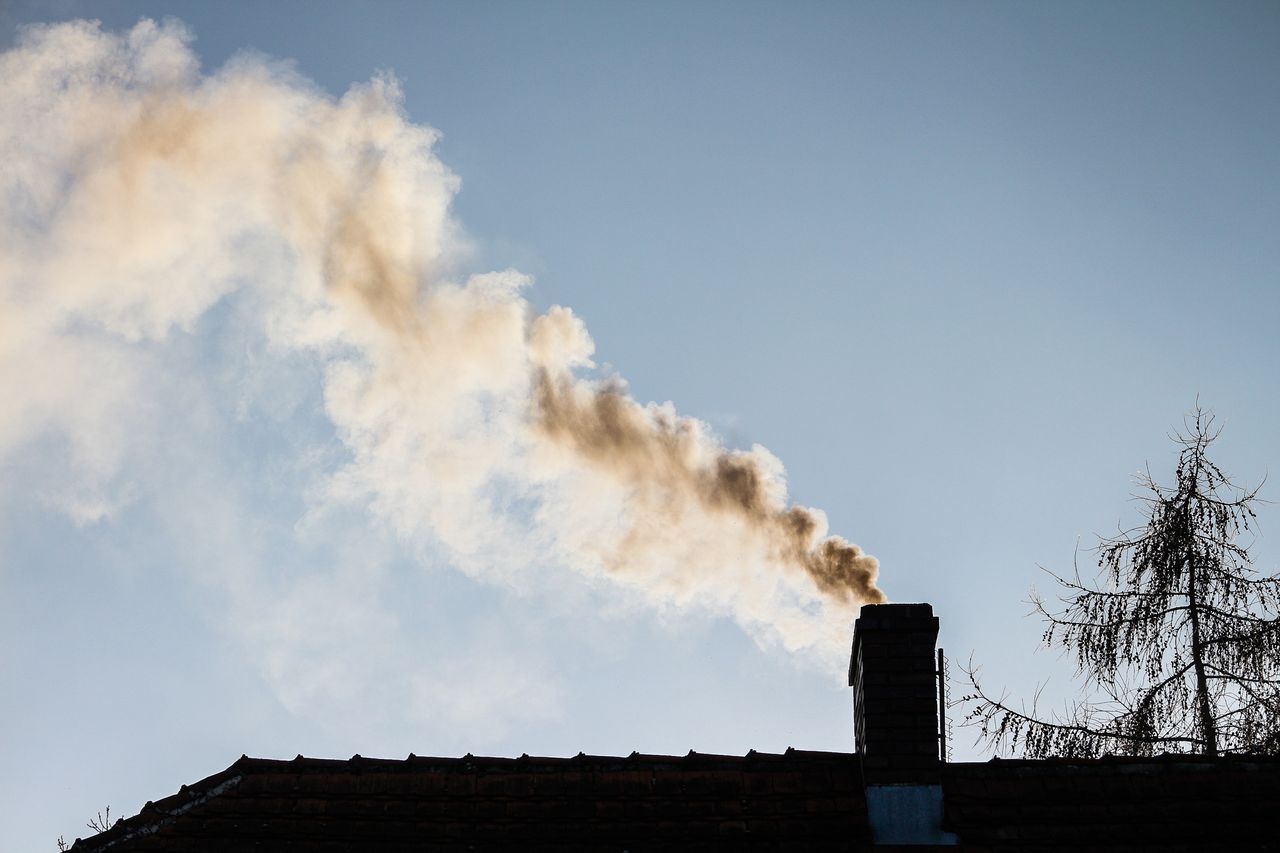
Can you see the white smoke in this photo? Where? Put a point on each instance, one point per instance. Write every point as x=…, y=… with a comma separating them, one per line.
x=138, y=194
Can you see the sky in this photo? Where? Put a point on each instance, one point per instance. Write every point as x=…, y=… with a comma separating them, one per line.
x=960, y=268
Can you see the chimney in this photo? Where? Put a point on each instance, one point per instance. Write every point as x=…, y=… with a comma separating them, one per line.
x=895, y=692
x=895, y=724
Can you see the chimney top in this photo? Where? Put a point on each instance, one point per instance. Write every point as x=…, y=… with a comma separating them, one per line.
x=882, y=615
x=896, y=618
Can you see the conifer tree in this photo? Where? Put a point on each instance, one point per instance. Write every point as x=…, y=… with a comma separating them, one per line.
x=1178, y=642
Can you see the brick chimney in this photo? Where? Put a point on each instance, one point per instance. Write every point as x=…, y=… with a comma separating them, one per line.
x=895, y=724
x=895, y=692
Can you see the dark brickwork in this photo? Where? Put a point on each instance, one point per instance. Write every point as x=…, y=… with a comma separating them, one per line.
x=895, y=692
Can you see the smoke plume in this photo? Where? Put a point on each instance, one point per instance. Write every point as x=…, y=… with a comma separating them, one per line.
x=138, y=195
x=672, y=467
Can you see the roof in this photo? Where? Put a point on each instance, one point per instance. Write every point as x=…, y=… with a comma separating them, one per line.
x=1169, y=802
x=797, y=800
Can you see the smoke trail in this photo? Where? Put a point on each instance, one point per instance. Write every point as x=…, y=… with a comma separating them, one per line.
x=138, y=194
x=671, y=463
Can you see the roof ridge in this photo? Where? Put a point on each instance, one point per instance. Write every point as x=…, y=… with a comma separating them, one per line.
x=153, y=816
x=247, y=763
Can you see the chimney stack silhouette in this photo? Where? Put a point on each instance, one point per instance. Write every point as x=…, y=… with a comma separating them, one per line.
x=895, y=692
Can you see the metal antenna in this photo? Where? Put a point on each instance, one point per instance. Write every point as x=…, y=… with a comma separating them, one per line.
x=944, y=752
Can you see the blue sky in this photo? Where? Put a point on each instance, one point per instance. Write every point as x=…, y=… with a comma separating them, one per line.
x=960, y=267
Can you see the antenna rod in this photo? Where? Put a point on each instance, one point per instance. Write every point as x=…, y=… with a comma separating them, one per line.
x=942, y=707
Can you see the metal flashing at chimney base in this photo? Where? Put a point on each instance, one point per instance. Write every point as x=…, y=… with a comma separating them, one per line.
x=907, y=814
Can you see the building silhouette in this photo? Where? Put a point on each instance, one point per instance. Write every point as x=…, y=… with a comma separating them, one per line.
x=894, y=791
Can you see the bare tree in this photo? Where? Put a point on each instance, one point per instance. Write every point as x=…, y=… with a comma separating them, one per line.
x=99, y=823
x=1181, y=642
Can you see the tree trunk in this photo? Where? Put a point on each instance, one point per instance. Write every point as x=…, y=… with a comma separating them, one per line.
x=1207, y=724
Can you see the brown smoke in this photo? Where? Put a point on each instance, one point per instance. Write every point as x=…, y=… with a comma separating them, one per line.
x=658, y=455
x=138, y=193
